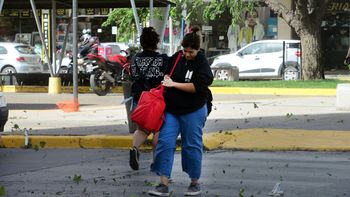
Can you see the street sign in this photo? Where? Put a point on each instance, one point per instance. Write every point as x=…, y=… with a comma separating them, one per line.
x=114, y=30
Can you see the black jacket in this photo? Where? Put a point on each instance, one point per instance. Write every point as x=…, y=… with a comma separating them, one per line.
x=194, y=71
x=147, y=71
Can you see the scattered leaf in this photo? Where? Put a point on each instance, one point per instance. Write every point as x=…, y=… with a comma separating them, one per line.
x=36, y=147
x=288, y=115
x=77, y=178
x=42, y=144
x=2, y=190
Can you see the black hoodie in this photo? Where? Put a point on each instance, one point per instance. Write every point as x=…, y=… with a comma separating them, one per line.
x=195, y=71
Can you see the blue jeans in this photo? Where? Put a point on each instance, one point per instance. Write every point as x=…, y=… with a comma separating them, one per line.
x=190, y=126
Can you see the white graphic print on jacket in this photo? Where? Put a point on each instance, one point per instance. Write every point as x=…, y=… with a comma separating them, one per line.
x=147, y=70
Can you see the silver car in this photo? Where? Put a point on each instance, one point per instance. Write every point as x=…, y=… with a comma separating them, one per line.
x=19, y=58
x=4, y=112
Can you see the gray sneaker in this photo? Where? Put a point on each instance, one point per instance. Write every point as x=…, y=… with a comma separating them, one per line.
x=160, y=190
x=193, y=190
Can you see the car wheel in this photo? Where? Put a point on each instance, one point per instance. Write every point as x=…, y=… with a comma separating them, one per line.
x=290, y=73
x=8, y=70
x=221, y=75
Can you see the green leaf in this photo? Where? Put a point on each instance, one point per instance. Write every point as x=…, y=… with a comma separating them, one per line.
x=2, y=190
x=36, y=147
x=42, y=144
x=77, y=178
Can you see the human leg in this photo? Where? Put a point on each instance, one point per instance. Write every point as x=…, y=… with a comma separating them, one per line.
x=164, y=154
x=139, y=138
x=192, y=146
x=165, y=149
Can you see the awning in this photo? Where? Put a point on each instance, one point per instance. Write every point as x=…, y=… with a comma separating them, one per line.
x=47, y=4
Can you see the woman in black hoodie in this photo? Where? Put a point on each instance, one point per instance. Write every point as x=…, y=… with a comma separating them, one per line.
x=188, y=102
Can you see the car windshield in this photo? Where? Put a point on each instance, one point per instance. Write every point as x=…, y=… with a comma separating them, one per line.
x=25, y=49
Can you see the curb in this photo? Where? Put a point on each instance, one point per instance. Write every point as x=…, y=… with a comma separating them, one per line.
x=258, y=139
x=274, y=91
x=44, y=89
x=215, y=90
x=267, y=139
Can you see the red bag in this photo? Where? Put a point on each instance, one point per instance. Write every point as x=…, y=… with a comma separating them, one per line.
x=149, y=112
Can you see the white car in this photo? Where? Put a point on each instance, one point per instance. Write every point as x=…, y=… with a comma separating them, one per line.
x=19, y=58
x=262, y=59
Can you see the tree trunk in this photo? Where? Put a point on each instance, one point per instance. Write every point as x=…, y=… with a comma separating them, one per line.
x=312, y=67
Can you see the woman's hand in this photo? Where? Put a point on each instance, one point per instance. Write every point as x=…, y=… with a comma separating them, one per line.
x=168, y=82
x=187, y=87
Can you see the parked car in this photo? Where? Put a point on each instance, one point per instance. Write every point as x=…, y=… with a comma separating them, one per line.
x=262, y=59
x=19, y=58
x=4, y=112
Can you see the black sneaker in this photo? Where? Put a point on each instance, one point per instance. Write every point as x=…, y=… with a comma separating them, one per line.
x=193, y=190
x=134, y=158
x=160, y=190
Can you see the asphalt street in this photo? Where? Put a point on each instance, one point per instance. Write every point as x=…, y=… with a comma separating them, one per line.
x=102, y=172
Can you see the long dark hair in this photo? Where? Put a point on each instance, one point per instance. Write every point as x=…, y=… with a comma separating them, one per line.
x=149, y=38
x=192, y=39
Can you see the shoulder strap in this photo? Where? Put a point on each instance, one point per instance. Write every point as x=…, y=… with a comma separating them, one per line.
x=177, y=61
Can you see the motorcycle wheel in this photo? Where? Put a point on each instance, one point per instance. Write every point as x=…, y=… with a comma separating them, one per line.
x=99, y=84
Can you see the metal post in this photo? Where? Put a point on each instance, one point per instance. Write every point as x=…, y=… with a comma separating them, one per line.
x=53, y=34
x=38, y=25
x=75, y=50
x=137, y=21
x=165, y=15
x=63, y=51
x=1, y=4
x=171, y=41
x=151, y=10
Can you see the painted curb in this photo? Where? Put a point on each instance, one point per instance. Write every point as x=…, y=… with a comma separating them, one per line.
x=44, y=89
x=89, y=141
x=258, y=139
x=215, y=90
x=266, y=139
x=274, y=91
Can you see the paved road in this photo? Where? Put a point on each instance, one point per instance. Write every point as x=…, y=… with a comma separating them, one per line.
x=50, y=172
x=105, y=115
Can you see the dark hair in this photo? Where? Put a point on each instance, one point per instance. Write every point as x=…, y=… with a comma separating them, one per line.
x=149, y=38
x=250, y=11
x=192, y=39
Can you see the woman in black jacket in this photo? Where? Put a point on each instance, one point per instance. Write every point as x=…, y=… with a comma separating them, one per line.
x=187, y=97
x=147, y=71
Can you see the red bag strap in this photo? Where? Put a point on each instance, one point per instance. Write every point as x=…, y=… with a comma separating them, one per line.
x=177, y=61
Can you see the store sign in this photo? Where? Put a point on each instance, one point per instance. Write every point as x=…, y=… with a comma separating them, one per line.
x=338, y=6
x=45, y=20
x=60, y=12
x=25, y=13
x=104, y=11
x=14, y=13
x=90, y=11
x=18, y=13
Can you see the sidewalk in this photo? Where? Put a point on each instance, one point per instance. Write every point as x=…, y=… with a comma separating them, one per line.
x=238, y=121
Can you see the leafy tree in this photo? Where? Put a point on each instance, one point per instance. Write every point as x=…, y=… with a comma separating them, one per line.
x=305, y=18
x=123, y=18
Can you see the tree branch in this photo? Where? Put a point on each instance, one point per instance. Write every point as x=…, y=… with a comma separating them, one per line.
x=287, y=14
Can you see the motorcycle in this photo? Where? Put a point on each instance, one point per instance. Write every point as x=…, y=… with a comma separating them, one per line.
x=83, y=62
x=108, y=72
